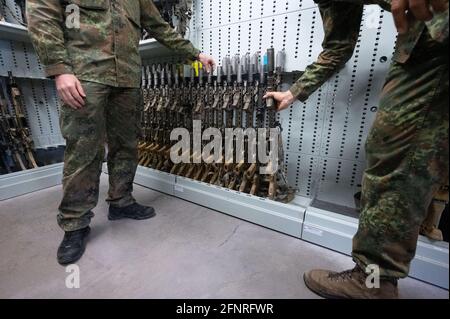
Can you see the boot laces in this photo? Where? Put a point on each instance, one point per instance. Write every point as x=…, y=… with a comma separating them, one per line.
x=73, y=238
x=347, y=274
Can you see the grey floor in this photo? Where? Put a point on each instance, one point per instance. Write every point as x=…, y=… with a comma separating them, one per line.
x=186, y=251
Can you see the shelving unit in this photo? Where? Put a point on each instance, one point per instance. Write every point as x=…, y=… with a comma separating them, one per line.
x=285, y=218
x=324, y=161
x=151, y=49
x=24, y=182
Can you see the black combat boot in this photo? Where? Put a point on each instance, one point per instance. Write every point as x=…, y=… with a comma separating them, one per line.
x=133, y=211
x=72, y=246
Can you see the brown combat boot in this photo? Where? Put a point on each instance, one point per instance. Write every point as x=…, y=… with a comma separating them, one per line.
x=349, y=284
x=429, y=227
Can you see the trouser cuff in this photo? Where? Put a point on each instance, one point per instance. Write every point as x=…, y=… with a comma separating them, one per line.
x=122, y=202
x=74, y=223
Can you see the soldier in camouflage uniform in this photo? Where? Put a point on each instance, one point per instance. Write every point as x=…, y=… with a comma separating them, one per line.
x=407, y=147
x=91, y=48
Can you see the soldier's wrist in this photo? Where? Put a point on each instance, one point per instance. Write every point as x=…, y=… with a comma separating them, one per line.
x=54, y=70
x=298, y=93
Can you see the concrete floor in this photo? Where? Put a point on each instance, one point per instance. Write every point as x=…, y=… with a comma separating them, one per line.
x=186, y=251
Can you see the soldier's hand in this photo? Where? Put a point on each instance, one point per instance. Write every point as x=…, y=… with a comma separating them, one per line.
x=283, y=99
x=422, y=10
x=207, y=61
x=70, y=90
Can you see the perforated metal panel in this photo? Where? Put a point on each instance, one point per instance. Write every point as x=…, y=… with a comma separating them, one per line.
x=11, y=12
x=226, y=27
x=39, y=94
x=18, y=57
x=324, y=138
x=42, y=104
x=21, y=59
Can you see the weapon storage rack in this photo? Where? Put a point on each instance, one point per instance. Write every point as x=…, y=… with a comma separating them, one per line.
x=323, y=138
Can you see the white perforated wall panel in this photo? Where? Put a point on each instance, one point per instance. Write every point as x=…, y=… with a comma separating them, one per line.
x=21, y=59
x=324, y=137
x=11, y=12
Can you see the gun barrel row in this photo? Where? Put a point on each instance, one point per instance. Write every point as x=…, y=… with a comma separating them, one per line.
x=176, y=95
x=240, y=67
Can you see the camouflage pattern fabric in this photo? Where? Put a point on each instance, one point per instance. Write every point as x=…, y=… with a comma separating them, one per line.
x=104, y=54
x=105, y=47
x=407, y=148
x=341, y=23
x=111, y=117
x=407, y=159
x=437, y=27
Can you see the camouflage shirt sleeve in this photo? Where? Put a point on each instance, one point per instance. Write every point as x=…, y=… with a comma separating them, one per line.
x=45, y=26
x=159, y=29
x=341, y=23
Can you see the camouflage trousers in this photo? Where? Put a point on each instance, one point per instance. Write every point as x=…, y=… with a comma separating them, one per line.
x=109, y=117
x=407, y=159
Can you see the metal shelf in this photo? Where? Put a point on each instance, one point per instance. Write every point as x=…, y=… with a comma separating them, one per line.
x=14, y=32
x=32, y=180
x=151, y=48
x=285, y=218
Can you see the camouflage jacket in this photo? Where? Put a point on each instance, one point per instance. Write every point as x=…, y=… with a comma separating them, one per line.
x=341, y=23
x=104, y=46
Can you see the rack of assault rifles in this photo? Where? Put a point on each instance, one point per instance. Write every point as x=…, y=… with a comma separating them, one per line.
x=232, y=99
x=16, y=145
